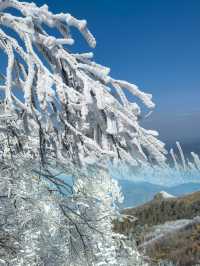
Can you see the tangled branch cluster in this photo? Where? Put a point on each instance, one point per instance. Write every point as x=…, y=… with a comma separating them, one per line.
x=62, y=110
x=64, y=102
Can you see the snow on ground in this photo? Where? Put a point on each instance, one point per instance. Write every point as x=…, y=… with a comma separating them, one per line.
x=166, y=195
x=160, y=231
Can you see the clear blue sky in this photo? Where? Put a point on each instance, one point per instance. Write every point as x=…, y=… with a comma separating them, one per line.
x=155, y=44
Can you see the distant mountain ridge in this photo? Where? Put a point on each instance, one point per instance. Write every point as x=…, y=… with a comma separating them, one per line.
x=137, y=193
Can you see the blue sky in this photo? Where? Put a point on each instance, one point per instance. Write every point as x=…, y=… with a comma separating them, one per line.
x=155, y=44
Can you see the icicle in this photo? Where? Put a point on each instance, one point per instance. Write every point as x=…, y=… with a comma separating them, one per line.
x=196, y=160
x=100, y=74
x=181, y=154
x=121, y=94
x=98, y=91
x=44, y=89
x=60, y=89
x=9, y=75
x=145, y=97
x=174, y=159
x=111, y=124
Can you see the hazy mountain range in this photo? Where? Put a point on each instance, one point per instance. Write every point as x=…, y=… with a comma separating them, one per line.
x=137, y=193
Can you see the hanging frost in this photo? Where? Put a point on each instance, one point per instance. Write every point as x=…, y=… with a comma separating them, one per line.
x=62, y=113
x=71, y=95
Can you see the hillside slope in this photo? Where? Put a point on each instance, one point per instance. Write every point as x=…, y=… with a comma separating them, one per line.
x=166, y=228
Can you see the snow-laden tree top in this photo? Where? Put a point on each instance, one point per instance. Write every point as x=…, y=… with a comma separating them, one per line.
x=63, y=106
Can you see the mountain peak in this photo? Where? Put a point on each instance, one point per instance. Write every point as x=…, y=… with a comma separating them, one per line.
x=163, y=195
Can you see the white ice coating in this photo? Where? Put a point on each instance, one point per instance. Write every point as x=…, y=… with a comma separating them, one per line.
x=62, y=113
x=81, y=112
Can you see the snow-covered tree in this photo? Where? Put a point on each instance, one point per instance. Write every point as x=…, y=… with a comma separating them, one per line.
x=62, y=113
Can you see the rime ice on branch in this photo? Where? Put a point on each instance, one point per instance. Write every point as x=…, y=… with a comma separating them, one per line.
x=58, y=112
x=64, y=101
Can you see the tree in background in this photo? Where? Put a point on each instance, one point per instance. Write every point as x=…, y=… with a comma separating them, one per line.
x=61, y=113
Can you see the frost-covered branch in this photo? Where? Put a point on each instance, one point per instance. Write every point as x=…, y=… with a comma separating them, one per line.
x=61, y=112
x=66, y=99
